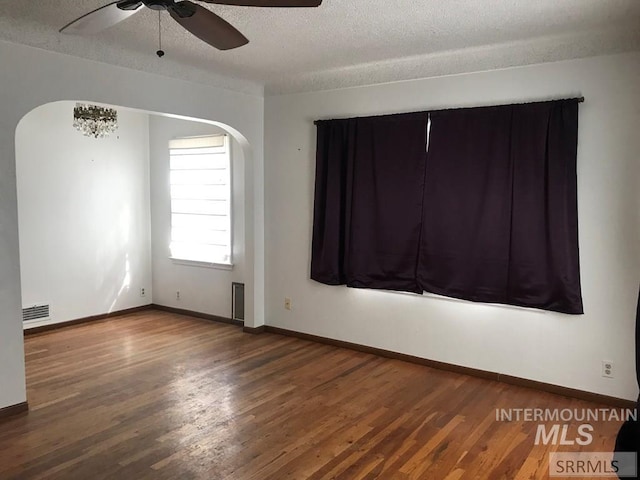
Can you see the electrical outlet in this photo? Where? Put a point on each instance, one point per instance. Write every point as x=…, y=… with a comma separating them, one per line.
x=287, y=304
x=142, y=292
x=607, y=368
x=177, y=294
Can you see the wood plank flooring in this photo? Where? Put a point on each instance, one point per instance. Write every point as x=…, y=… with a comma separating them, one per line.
x=156, y=395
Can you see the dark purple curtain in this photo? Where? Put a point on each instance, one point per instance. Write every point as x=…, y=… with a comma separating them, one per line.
x=488, y=214
x=368, y=201
x=332, y=200
x=500, y=217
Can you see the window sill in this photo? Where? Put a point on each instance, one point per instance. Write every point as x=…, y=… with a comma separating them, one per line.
x=196, y=263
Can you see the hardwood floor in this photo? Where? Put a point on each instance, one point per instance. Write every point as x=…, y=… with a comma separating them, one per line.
x=163, y=396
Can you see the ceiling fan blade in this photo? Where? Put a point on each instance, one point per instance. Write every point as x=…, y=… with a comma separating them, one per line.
x=209, y=27
x=267, y=3
x=97, y=20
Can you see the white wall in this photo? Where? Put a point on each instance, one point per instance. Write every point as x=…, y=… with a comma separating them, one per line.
x=83, y=214
x=202, y=289
x=30, y=77
x=549, y=347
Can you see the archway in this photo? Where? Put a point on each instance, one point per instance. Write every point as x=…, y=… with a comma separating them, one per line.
x=25, y=86
x=93, y=217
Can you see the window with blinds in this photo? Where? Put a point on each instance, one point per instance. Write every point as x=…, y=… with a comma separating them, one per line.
x=200, y=177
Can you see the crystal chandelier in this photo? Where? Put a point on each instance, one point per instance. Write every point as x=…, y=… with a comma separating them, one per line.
x=94, y=121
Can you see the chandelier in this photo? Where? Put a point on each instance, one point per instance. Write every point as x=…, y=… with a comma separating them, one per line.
x=94, y=121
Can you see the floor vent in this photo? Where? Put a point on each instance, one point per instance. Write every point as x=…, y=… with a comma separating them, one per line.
x=37, y=312
x=237, y=301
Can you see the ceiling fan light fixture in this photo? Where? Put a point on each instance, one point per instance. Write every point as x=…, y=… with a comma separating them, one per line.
x=94, y=121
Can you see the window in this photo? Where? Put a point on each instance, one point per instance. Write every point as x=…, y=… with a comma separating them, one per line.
x=487, y=213
x=200, y=178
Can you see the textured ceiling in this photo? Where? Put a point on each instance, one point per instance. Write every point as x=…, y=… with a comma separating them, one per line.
x=343, y=42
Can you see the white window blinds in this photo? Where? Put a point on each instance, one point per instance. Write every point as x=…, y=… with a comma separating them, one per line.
x=200, y=177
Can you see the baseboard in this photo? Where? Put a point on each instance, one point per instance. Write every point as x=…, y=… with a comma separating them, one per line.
x=255, y=330
x=205, y=316
x=521, y=382
x=511, y=380
x=78, y=321
x=13, y=410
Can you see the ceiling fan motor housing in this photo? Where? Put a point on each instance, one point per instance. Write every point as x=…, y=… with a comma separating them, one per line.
x=182, y=9
x=158, y=4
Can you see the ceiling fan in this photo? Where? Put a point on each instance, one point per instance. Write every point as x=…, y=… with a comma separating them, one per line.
x=202, y=23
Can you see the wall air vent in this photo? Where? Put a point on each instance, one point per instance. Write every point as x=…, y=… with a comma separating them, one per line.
x=237, y=301
x=36, y=312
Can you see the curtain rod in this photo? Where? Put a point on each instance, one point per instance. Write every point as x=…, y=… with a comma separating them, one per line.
x=579, y=99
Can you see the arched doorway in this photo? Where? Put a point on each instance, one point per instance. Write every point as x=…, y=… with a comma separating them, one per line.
x=94, y=218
